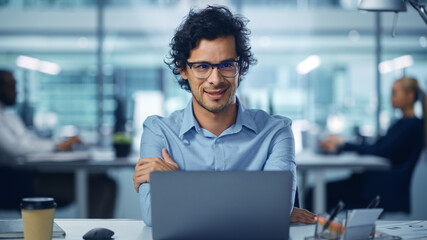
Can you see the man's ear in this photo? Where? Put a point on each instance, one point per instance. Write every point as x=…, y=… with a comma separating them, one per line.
x=183, y=73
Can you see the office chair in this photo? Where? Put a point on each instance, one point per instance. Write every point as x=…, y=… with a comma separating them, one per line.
x=393, y=186
x=418, y=188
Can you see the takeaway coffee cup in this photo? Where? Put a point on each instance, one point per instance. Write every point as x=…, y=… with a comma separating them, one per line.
x=37, y=216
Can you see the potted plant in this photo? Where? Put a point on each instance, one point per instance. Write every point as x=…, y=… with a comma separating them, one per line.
x=122, y=144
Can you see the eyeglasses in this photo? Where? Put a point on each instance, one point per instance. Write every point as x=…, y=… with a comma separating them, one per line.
x=229, y=68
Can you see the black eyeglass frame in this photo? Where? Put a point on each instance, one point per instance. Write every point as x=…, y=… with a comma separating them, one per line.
x=236, y=60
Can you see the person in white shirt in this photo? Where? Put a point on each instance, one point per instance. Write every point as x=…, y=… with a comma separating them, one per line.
x=16, y=141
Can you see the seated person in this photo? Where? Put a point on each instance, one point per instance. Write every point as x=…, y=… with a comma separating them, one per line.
x=16, y=140
x=402, y=145
x=215, y=132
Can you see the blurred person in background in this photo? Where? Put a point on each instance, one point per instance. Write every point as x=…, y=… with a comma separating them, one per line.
x=17, y=141
x=402, y=145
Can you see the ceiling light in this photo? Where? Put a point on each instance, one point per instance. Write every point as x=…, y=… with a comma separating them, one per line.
x=309, y=64
x=38, y=65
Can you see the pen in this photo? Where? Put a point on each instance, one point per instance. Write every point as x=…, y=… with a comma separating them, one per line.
x=374, y=203
x=334, y=213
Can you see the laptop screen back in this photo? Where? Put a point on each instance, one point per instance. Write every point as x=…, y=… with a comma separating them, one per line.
x=221, y=205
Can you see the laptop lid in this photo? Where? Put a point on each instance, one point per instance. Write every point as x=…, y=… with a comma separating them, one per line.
x=220, y=205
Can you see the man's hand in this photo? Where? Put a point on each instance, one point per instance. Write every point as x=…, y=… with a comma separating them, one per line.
x=146, y=165
x=302, y=216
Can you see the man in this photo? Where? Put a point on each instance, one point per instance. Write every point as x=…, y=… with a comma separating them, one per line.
x=16, y=141
x=210, y=54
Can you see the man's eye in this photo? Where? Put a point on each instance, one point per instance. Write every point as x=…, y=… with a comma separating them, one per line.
x=201, y=66
x=226, y=65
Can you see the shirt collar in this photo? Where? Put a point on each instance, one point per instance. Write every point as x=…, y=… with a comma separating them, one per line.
x=244, y=118
x=188, y=120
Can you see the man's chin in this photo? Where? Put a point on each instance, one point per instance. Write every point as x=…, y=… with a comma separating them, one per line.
x=215, y=107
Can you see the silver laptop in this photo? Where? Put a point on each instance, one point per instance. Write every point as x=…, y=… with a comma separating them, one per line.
x=220, y=205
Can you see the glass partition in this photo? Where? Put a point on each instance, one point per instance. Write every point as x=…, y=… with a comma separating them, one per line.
x=316, y=62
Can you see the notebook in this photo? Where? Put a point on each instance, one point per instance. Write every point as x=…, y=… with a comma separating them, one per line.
x=13, y=228
x=220, y=205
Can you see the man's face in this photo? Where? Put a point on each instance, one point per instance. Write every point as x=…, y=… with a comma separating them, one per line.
x=216, y=92
x=8, y=91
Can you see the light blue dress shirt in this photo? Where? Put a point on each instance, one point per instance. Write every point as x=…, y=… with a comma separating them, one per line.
x=256, y=142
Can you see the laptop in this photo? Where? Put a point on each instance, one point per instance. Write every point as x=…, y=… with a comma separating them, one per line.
x=220, y=205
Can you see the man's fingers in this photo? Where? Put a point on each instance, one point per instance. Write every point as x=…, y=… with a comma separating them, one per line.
x=167, y=158
x=138, y=180
x=136, y=186
x=143, y=161
x=302, y=216
x=141, y=175
x=147, y=165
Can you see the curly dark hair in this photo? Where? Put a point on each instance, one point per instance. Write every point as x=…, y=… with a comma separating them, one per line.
x=209, y=23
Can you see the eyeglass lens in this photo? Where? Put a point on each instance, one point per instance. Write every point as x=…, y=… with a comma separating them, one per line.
x=227, y=69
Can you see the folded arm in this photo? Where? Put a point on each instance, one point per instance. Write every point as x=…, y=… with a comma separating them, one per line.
x=147, y=165
x=154, y=157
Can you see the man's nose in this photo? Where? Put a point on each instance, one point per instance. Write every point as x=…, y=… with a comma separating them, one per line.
x=215, y=78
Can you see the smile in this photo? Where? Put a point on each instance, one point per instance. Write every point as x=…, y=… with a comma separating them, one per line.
x=216, y=94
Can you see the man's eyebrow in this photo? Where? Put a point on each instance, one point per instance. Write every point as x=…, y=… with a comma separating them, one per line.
x=225, y=60
x=230, y=59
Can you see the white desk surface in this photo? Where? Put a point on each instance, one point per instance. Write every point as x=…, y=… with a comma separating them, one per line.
x=122, y=228
x=136, y=229
x=69, y=161
x=309, y=160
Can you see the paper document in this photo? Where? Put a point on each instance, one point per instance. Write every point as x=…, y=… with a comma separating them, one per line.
x=406, y=230
x=360, y=223
x=13, y=228
x=360, y=217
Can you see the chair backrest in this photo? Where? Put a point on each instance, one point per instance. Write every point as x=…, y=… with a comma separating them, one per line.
x=418, y=188
x=394, y=185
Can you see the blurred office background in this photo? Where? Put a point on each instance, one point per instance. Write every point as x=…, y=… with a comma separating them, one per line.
x=96, y=67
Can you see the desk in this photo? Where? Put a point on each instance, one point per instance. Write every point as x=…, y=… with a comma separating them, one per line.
x=318, y=163
x=81, y=166
x=136, y=229
x=123, y=228
x=306, y=161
